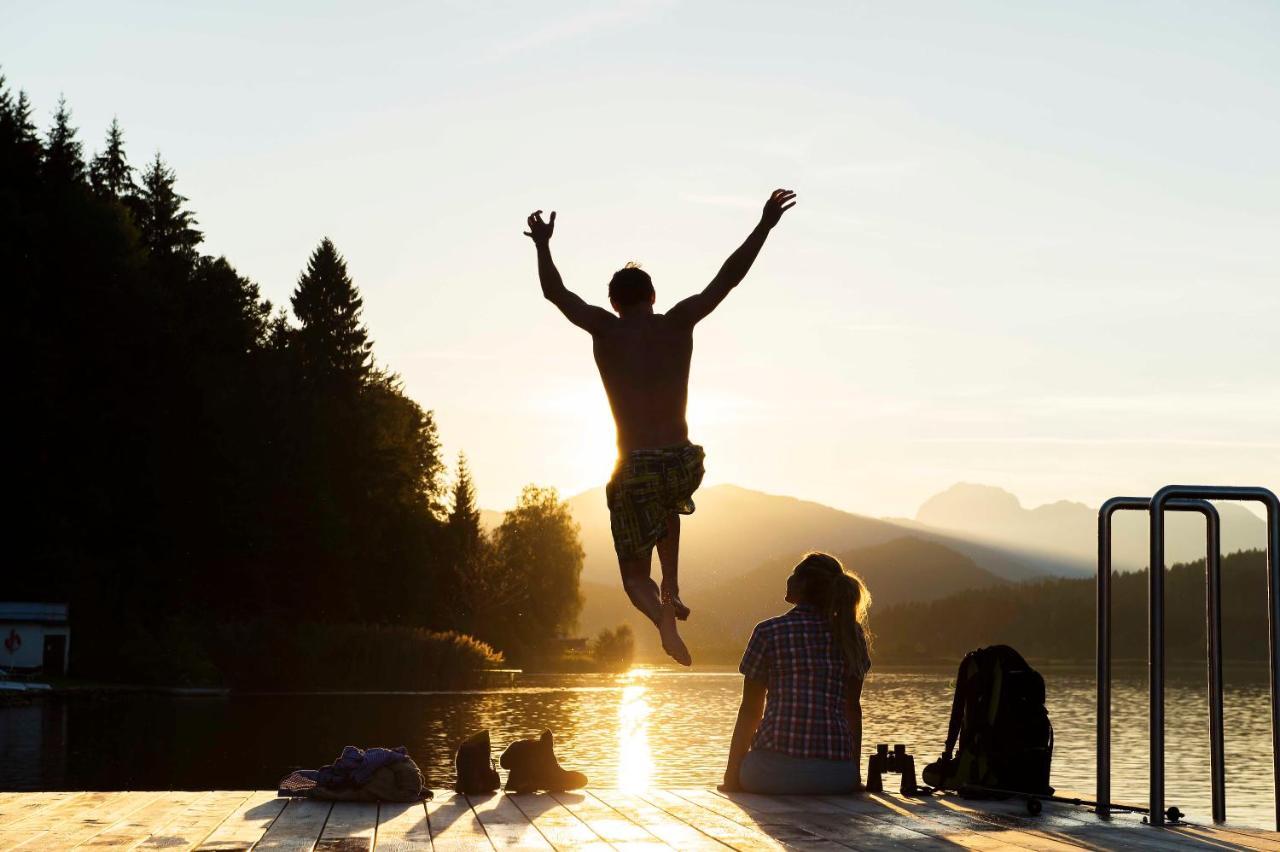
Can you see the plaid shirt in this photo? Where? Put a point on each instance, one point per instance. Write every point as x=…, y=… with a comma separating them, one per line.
x=795, y=656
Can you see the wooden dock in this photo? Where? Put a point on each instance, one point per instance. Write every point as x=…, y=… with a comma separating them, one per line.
x=595, y=819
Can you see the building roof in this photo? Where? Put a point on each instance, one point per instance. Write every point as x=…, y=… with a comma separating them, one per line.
x=40, y=613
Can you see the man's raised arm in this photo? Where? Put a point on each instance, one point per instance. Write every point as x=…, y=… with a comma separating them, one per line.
x=694, y=308
x=584, y=316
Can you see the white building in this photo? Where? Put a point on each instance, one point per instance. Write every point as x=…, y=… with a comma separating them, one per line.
x=34, y=637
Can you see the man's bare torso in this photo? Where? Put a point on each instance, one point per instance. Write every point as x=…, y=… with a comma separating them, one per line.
x=644, y=364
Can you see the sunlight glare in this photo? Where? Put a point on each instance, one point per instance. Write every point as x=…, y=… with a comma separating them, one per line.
x=635, y=761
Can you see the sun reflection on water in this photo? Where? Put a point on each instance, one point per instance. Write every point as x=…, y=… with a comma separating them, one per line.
x=635, y=760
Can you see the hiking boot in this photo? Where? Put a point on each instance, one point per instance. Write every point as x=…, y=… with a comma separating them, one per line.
x=474, y=766
x=532, y=766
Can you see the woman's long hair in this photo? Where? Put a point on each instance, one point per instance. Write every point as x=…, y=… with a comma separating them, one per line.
x=841, y=596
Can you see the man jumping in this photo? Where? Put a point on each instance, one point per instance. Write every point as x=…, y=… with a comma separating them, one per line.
x=643, y=360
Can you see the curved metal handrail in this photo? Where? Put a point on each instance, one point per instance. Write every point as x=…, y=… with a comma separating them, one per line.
x=1213, y=618
x=1155, y=609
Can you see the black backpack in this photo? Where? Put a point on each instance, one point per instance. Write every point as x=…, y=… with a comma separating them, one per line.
x=998, y=719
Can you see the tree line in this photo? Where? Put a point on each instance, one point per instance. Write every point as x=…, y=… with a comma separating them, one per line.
x=191, y=458
x=1054, y=620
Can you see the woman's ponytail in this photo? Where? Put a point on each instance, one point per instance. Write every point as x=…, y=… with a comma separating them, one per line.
x=843, y=599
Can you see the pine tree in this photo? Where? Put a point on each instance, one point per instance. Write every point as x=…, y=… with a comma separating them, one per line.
x=167, y=227
x=333, y=344
x=8, y=133
x=22, y=120
x=63, y=156
x=464, y=516
x=20, y=148
x=110, y=172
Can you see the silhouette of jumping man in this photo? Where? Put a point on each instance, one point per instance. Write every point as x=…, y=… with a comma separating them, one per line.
x=643, y=358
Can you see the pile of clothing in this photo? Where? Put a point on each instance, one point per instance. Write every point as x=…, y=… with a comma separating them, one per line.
x=360, y=775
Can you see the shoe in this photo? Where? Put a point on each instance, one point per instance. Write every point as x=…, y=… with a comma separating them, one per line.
x=532, y=766
x=476, y=775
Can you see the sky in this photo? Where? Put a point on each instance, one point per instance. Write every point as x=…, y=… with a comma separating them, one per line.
x=1037, y=244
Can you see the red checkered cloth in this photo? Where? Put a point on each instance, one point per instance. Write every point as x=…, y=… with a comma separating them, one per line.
x=796, y=657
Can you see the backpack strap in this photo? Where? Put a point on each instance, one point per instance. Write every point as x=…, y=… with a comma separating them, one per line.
x=957, y=705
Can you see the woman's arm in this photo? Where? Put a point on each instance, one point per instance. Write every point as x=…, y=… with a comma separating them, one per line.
x=750, y=712
x=853, y=715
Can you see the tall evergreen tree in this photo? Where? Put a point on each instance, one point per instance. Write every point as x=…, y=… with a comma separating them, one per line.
x=20, y=161
x=332, y=342
x=64, y=155
x=464, y=516
x=110, y=172
x=168, y=228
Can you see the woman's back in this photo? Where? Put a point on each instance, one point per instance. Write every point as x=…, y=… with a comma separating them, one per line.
x=808, y=680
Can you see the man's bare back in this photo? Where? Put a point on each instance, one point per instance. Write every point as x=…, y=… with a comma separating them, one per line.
x=643, y=358
x=644, y=364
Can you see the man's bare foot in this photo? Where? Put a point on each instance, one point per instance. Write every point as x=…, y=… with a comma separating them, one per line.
x=671, y=641
x=682, y=611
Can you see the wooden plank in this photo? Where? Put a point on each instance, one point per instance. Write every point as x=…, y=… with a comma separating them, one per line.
x=189, y=828
x=1051, y=831
x=906, y=814
x=609, y=825
x=40, y=821
x=246, y=825
x=140, y=825
x=505, y=824
x=15, y=807
x=557, y=824
x=727, y=831
x=1120, y=828
x=1250, y=839
x=1202, y=835
x=298, y=826
x=88, y=817
x=789, y=832
x=861, y=830
x=454, y=826
x=403, y=827
x=350, y=828
x=658, y=822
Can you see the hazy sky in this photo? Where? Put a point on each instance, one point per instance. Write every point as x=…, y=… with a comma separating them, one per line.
x=1037, y=244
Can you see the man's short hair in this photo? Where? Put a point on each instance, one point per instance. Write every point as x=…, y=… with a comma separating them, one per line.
x=630, y=285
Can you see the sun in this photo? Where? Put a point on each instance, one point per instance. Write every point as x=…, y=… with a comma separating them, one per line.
x=590, y=447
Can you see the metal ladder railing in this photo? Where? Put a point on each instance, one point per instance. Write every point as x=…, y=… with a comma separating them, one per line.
x=1187, y=498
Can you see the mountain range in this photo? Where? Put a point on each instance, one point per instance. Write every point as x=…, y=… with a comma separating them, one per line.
x=741, y=544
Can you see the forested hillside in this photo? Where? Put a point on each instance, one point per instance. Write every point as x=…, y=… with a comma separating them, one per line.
x=197, y=470
x=1055, y=619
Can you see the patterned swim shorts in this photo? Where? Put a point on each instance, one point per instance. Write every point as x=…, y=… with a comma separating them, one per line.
x=647, y=486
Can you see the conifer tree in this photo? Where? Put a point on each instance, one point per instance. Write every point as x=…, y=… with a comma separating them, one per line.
x=24, y=152
x=7, y=121
x=332, y=341
x=110, y=172
x=22, y=120
x=168, y=228
x=464, y=516
x=64, y=155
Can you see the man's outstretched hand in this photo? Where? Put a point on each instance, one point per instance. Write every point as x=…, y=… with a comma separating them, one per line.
x=780, y=202
x=540, y=231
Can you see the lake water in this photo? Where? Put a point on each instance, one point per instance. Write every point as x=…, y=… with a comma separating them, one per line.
x=648, y=727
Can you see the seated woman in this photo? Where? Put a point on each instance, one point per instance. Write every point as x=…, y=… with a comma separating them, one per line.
x=799, y=728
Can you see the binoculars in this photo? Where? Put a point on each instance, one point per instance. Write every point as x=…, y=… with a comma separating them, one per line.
x=891, y=761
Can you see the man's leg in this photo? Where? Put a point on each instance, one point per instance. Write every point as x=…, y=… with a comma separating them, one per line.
x=669, y=559
x=643, y=593
x=640, y=587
